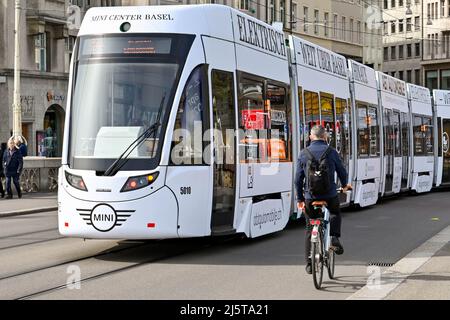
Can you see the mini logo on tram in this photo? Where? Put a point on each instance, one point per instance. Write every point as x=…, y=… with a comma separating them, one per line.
x=103, y=218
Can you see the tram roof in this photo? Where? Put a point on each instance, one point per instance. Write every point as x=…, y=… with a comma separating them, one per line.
x=441, y=97
x=213, y=20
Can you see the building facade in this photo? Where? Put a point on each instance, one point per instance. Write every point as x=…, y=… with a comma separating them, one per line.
x=436, y=44
x=402, y=34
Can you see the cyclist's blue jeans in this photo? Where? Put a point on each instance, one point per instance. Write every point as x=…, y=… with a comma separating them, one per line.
x=335, y=220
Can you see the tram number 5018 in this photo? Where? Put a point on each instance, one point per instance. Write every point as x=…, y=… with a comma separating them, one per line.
x=185, y=191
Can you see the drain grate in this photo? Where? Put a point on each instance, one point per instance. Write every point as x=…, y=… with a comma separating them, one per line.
x=380, y=264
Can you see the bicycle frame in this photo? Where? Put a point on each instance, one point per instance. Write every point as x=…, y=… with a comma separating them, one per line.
x=325, y=226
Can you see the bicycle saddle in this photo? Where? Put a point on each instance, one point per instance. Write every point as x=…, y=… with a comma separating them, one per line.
x=319, y=203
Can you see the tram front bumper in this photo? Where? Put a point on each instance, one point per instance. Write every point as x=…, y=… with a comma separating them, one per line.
x=152, y=217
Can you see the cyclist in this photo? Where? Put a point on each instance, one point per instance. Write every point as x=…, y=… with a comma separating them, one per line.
x=334, y=163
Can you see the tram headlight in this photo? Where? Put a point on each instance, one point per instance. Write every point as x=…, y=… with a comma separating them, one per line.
x=135, y=183
x=76, y=182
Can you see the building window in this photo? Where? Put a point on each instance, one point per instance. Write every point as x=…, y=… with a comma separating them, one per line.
x=386, y=53
x=431, y=79
x=294, y=16
x=385, y=6
x=400, y=75
x=282, y=13
x=393, y=53
x=358, y=31
x=351, y=30
x=344, y=24
x=417, y=23
x=417, y=49
x=400, y=51
x=408, y=24
x=445, y=79
x=400, y=25
x=400, y=3
x=316, y=21
x=409, y=76
x=442, y=8
x=40, y=49
x=335, y=25
x=243, y=4
x=305, y=19
x=417, y=79
x=385, y=28
x=392, y=4
x=326, y=16
x=393, y=26
x=271, y=12
x=409, y=50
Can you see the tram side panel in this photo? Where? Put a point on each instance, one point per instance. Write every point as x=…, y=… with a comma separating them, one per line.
x=367, y=132
x=422, y=144
x=394, y=106
x=264, y=181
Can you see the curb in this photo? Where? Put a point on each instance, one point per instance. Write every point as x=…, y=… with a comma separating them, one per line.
x=405, y=267
x=27, y=211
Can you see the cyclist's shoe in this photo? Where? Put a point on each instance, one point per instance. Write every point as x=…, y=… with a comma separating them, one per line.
x=337, y=246
x=308, y=267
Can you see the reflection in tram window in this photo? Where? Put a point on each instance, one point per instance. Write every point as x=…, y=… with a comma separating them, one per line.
x=252, y=120
x=423, y=136
x=368, y=131
x=312, y=113
x=276, y=106
x=343, y=132
x=186, y=148
x=327, y=111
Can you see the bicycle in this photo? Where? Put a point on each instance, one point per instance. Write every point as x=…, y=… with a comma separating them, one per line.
x=321, y=252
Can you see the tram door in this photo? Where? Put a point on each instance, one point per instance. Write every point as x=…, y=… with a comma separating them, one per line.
x=405, y=149
x=388, y=150
x=343, y=137
x=224, y=166
x=446, y=150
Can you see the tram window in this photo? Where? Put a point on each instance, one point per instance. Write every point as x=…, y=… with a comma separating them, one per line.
x=276, y=107
x=418, y=136
x=363, y=131
x=327, y=112
x=253, y=121
x=192, y=116
x=312, y=112
x=389, y=133
x=396, y=132
x=343, y=132
x=373, y=131
x=428, y=141
x=302, y=119
x=405, y=134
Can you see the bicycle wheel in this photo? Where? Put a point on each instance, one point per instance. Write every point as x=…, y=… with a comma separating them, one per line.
x=317, y=262
x=330, y=264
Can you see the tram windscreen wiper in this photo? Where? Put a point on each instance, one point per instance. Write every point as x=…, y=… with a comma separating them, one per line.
x=149, y=132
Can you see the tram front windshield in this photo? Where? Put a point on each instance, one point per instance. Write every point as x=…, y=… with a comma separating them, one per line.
x=122, y=84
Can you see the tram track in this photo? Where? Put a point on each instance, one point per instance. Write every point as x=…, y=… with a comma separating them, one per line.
x=179, y=252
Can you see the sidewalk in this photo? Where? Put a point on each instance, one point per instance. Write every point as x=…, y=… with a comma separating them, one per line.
x=423, y=274
x=30, y=203
x=431, y=281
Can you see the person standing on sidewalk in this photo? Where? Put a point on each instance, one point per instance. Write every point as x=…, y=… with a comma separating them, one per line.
x=13, y=165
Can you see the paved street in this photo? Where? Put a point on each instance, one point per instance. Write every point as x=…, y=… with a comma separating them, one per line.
x=37, y=261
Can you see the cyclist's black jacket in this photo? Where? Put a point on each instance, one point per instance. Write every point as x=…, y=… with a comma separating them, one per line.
x=335, y=164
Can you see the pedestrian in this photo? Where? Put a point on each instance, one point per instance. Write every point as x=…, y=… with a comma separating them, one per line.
x=21, y=146
x=12, y=165
x=2, y=174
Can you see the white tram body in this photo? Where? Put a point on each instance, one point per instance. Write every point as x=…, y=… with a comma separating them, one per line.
x=441, y=105
x=363, y=85
x=421, y=157
x=218, y=105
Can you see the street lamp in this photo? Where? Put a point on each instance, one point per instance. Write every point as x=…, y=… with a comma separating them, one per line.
x=17, y=108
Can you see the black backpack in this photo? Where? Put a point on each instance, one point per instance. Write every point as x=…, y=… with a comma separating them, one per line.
x=317, y=178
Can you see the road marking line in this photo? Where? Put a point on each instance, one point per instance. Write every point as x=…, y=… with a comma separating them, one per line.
x=399, y=272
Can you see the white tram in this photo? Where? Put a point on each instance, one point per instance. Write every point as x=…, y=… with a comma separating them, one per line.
x=186, y=121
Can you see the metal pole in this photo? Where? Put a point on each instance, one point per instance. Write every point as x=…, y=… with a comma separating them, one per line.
x=17, y=108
